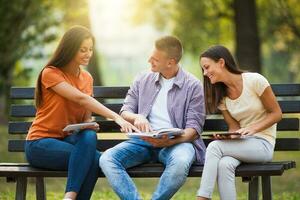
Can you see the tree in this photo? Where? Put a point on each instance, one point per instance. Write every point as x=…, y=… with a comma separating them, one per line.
x=280, y=28
x=203, y=23
x=25, y=28
x=20, y=22
x=264, y=32
x=246, y=35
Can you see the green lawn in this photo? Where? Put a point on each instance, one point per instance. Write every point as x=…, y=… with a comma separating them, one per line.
x=55, y=190
x=285, y=187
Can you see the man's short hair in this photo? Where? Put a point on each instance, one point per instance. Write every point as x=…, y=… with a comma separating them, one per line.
x=171, y=46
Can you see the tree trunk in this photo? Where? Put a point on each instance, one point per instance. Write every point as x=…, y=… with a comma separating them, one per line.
x=6, y=76
x=94, y=69
x=246, y=35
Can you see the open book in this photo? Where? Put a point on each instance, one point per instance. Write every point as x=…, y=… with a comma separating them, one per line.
x=170, y=132
x=77, y=127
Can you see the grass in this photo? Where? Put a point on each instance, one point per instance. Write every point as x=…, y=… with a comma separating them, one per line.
x=55, y=190
x=284, y=187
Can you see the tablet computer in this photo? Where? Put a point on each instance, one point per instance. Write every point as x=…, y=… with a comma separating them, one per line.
x=75, y=127
x=221, y=134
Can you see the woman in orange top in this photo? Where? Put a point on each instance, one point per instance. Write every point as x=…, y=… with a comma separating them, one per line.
x=63, y=96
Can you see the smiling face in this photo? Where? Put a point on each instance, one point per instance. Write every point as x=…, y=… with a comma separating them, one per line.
x=212, y=69
x=159, y=61
x=85, y=52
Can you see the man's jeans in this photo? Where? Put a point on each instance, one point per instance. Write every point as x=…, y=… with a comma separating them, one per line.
x=177, y=160
x=76, y=153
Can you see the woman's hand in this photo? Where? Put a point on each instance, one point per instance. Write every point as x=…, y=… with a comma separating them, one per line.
x=94, y=127
x=223, y=137
x=227, y=136
x=247, y=131
x=125, y=125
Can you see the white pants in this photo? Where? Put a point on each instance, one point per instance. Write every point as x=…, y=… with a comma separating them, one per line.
x=222, y=158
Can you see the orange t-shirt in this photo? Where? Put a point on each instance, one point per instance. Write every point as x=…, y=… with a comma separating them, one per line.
x=56, y=111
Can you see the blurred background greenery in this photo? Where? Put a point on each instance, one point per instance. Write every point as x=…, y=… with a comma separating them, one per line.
x=264, y=36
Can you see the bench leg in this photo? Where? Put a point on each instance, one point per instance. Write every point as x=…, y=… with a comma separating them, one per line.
x=253, y=189
x=266, y=188
x=40, y=188
x=21, y=188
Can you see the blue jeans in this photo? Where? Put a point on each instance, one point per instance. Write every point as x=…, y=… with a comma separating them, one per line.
x=177, y=160
x=76, y=153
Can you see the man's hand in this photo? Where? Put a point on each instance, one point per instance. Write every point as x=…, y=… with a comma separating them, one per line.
x=142, y=123
x=125, y=125
x=164, y=141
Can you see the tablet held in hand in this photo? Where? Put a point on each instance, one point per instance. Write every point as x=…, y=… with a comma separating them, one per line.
x=221, y=134
x=79, y=126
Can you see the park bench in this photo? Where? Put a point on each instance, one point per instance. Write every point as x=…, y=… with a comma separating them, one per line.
x=256, y=175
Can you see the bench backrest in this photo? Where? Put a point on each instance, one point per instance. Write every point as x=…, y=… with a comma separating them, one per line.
x=22, y=112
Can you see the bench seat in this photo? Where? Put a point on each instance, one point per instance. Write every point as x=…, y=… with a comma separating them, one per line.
x=150, y=170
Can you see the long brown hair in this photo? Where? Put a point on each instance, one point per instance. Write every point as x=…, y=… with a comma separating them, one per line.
x=214, y=93
x=64, y=53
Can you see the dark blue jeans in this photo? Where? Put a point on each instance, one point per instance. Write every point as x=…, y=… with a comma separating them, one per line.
x=76, y=153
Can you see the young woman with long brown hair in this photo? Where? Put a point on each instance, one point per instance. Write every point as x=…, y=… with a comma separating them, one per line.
x=249, y=108
x=63, y=96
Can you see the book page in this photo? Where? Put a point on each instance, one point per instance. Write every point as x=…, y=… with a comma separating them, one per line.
x=171, y=132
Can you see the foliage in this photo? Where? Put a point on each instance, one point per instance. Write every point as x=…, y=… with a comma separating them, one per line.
x=280, y=31
x=25, y=26
x=200, y=24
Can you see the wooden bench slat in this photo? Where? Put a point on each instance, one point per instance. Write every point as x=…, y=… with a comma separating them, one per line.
x=286, y=124
x=148, y=170
x=23, y=127
x=290, y=124
x=120, y=91
x=287, y=144
x=99, y=92
x=289, y=106
x=21, y=93
x=110, y=92
x=29, y=110
x=282, y=144
x=286, y=89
